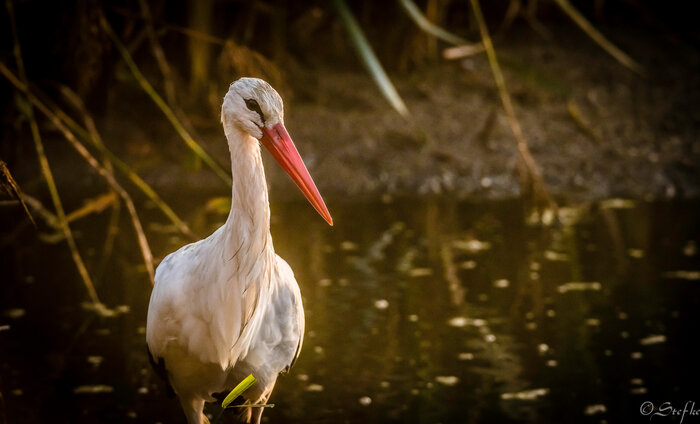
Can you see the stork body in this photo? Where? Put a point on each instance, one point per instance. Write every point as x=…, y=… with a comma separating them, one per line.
x=228, y=306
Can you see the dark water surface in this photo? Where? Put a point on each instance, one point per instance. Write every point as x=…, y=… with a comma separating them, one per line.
x=417, y=312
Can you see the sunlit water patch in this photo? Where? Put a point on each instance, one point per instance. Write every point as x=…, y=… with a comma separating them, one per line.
x=420, y=312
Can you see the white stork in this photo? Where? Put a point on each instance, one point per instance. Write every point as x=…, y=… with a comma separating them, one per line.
x=228, y=306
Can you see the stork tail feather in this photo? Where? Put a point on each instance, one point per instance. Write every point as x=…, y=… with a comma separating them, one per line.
x=158, y=365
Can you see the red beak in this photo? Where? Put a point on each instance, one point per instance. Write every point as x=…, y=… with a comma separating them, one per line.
x=278, y=142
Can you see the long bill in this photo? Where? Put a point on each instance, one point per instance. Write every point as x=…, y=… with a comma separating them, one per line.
x=279, y=143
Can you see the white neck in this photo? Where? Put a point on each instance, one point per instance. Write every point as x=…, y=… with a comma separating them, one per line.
x=248, y=225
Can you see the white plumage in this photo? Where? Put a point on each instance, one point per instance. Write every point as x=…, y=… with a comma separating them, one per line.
x=227, y=306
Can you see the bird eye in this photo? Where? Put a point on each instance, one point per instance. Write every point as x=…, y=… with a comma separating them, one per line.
x=255, y=107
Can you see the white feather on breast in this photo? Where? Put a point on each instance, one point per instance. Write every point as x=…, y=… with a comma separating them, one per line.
x=209, y=300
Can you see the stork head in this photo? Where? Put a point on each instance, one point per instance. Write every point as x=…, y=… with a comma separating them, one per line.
x=255, y=108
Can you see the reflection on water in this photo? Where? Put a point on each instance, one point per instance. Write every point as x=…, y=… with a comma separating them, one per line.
x=434, y=312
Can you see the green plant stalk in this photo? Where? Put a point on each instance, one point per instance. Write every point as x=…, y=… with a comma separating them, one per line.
x=163, y=106
x=121, y=165
x=423, y=23
x=238, y=390
x=112, y=229
x=94, y=163
x=369, y=59
x=110, y=236
x=575, y=114
x=540, y=189
x=134, y=178
x=162, y=61
x=128, y=202
x=159, y=55
x=41, y=212
x=599, y=38
x=109, y=177
x=130, y=174
x=106, y=170
x=46, y=168
x=233, y=394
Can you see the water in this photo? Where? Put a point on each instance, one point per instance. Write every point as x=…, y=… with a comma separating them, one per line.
x=417, y=312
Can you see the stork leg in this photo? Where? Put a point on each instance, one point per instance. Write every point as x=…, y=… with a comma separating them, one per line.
x=194, y=409
x=255, y=414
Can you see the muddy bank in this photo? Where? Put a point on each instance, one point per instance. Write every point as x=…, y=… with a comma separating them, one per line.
x=595, y=129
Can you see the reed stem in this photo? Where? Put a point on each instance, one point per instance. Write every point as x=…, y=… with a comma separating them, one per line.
x=46, y=168
x=163, y=106
x=532, y=174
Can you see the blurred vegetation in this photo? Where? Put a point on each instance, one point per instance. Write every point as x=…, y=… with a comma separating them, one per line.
x=65, y=66
x=202, y=45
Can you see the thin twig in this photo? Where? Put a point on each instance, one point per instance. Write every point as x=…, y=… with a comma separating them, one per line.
x=599, y=38
x=46, y=169
x=576, y=115
x=163, y=106
x=109, y=175
x=187, y=31
x=110, y=237
x=165, y=69
x=460, y=52
x=14, y=189
x=95, y=205
x=102, y=171
x=463, y=47
x=42, y=213
x=121, y=165
x=539, y=188
x=113, y=223
x=512, y=12
x=159, y=54
x=531, y=18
